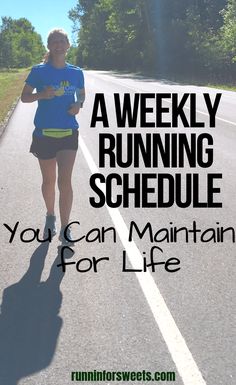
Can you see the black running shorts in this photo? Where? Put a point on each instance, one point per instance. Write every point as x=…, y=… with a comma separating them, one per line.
x=46, y=147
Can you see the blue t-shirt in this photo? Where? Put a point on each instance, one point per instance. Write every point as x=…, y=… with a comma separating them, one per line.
x=53, y=113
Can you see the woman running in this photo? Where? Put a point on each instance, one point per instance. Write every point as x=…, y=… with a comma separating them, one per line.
x=60, y=94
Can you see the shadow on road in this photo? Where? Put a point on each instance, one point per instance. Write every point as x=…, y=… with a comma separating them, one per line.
x=29, y=320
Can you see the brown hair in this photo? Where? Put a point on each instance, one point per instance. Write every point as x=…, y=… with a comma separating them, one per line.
x=54, y=31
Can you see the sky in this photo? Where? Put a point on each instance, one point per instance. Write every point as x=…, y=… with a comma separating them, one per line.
x=44, y=15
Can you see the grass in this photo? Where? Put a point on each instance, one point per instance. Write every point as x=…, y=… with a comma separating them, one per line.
x=12, y=82
x=222, y=87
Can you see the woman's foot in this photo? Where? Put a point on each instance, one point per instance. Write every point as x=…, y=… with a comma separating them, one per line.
x=50, y=225
x=65, y=236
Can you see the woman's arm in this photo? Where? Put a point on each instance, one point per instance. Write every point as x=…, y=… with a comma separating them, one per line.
x=80, y=95
x=75, y=107
x=27, y=95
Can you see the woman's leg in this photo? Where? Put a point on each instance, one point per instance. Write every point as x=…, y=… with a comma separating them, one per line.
x=48, y=170
x=65, y=160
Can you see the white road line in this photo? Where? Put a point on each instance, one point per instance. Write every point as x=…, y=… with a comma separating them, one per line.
x=181, y=355
x=167, y=101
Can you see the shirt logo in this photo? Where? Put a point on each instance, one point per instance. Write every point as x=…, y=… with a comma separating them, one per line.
x=64, y=88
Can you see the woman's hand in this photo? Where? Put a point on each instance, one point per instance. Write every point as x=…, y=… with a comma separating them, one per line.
x=28, y=96
x=47, y=93
x=74, y=109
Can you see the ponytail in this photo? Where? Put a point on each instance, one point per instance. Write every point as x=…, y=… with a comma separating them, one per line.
x=46, y=57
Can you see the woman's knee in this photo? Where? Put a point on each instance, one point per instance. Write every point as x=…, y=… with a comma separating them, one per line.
x=48, y=183
x=64, y=184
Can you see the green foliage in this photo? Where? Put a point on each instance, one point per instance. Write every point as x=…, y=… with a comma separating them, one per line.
x=71, y=56
x=188, y=38
x=20, y=45
x=229, y=31
x=113, y=33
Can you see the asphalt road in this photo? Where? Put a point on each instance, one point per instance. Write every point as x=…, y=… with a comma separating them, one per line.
x=52, y=324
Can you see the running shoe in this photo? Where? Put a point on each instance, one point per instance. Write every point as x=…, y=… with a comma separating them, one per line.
x=50, y=225
x=68, y=240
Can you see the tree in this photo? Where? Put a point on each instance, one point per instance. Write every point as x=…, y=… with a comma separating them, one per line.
x=113, y=33
x=229, y=31
x=188, y=38
x=20, y=45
